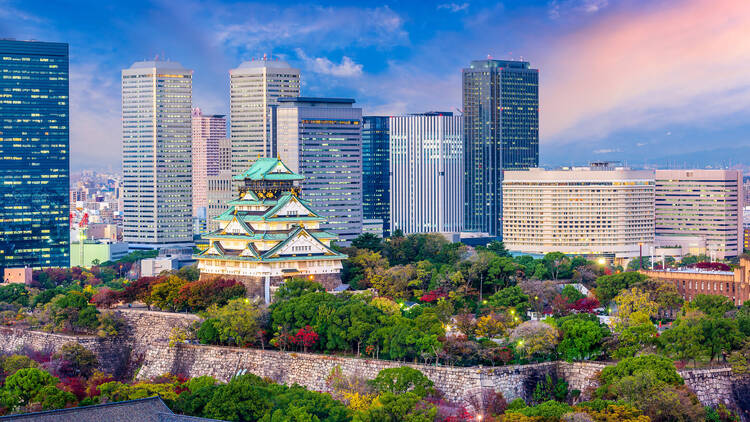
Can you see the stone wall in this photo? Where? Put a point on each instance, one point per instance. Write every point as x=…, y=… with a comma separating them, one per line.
x=311, y=370
x=111, y=355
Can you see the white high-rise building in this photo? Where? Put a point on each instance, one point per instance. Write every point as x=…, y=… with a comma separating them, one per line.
x=208, y=131
x=599, y=210
x=321, y=139
x=156, y=158
x=426, y=173
x=255, y=87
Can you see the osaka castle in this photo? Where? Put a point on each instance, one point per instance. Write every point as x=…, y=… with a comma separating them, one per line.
x=269, y=233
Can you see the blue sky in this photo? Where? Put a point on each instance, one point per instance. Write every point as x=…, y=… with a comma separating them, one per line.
x=647, y=82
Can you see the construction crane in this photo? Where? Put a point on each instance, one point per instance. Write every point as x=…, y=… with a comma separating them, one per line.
x=82, y=235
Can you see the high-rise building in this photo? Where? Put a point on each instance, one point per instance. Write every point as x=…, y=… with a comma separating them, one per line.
x=599, y=210
x=208, y=131
x=375, y=171
x=34, y=146
x=321, y=139
x=426, y=173
x=156, y=154
x=501, y=132
x=702, y=203
x=219, y=186
x=255, y=86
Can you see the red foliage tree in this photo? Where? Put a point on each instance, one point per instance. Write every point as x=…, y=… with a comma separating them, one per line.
x=712, y=266
x=139, y=288
x=201, y=294
x=586, y=304
x=433, y=296
x=74, y=385
x=306, y=337
x=106, y=297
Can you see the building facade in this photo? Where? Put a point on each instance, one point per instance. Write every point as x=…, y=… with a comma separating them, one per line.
x=208, y=131
x=501, y=132
x=219, y=186
x=426, y=173
x=706, y=203
x=321, y=139
x=270, y=233
x=375, y=171
x=734, y=285
x=34, y=146
x=591, y=211
x=255, y=86
x=157, y=154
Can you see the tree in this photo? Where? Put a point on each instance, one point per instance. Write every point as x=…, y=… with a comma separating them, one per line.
x=558, y=265
x=721, y=336
x=662, y=368
x=510, y=297
x=402, y=380
x=368, y=241
x=712, y=305
x=635, y=338
x=51, y=397
x=13, y=363
x=571, y=294
x=389, y=407
x=609, y=286
x=106, y=297
x=743, y=318
x=494, y=324
x=14, y=293
x=189, y=273
x=82, y=361
x=684, y=340
x=373, y=266
x=242, y=399
x=500, y=271
x=236, y=322
x=633, y=306
x=306, y=337
x=26, y=383
x=199, y=295
x=581, y=339
x=534, y=338
x=166, y=293
x=498, y=248
x=297, y=287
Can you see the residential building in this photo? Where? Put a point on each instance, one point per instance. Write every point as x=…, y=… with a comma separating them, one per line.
x=34, y=146
x=219, y=186
x=208, y=131
x=321, y=139
x=501, y=132
x=426, y=173
x=156, y=154
x=23, y=275
x=375, y=171
x=706, y=203
x=270, y=233
x=734, y=285
x=599, y=210
x=255, y=86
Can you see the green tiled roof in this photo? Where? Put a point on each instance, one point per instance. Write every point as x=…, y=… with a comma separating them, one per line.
x=336, y=256
x=263, y=169
x=285, y=200
x=264, y=236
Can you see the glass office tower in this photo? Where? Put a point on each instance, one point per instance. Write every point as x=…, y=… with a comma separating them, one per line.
x=34, y=157
x=501, y=132
x=375, y=173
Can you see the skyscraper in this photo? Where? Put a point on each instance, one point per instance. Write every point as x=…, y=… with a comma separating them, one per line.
x=501, y=132
x=375, y=169
x=208, y=131
x=219, y=186
x=255, y=87
x=426, y=173
x=34, y=146
x=156, y=154
x=321, y=139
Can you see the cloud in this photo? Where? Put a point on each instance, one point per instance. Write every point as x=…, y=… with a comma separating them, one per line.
x=453, y=7
x=558, y=8
x=347, y=68
x=329, y=27
x=607, y=151
x=647, y=68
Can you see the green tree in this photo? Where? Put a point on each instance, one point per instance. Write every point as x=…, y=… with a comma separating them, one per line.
x=635, y=338
x=14, y=293
x=297, y=287
x=712, y=305
x=498, y=248
x=407, y=407
x=743, y=318
x=236, y=322
x=684, y=341
x=51, y=397
x=242, y=399
x=165, y=294
x=13, y=363
x=511, y=297
x=368, y=241
x=571, y=294
x=721, y=336
x=609, y=286
x=581, y=339
x=26, y=383
x=534, y=338
x=558, y=265
x=402, y=380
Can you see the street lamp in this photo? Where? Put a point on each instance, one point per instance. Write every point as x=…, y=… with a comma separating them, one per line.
x=601, y=261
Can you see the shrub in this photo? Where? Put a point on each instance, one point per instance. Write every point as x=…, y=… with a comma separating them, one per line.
x=402, y=380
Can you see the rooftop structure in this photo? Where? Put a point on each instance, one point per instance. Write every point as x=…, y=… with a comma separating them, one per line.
x=269, y=233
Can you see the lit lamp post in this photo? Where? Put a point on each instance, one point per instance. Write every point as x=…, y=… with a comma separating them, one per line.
x=640, y=255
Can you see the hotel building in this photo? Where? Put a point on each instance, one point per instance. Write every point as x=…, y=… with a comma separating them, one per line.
x=426, y=173
x=701, y=203
x=375, y=173
x=157, y=154
x=321, y=139
x=592, y=211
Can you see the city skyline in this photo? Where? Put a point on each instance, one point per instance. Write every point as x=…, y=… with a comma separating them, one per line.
x=629, y=65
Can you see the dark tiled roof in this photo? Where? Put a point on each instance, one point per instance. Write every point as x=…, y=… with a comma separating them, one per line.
x=150, y=409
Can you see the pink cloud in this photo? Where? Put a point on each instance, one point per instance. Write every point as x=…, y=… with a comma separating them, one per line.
x=681, y=61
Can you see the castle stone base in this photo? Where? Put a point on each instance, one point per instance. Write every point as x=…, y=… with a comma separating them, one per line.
x=255, y=286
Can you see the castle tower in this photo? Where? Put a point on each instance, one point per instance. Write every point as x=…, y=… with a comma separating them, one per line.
x=269, y=234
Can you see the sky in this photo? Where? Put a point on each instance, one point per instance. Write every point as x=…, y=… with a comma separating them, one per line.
x=645, y=82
